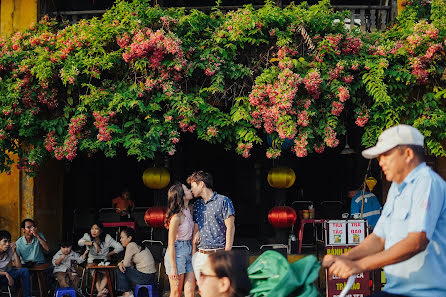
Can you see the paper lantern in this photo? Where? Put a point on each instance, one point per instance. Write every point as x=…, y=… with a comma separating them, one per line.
x=371, y=183
x=281, y=178
x=155, y=216
x=156, y=178
x=282, y=216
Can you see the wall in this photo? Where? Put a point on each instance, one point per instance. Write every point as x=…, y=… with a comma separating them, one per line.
x=17, y=15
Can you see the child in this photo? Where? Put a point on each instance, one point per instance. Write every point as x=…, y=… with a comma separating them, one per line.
x=63, y=262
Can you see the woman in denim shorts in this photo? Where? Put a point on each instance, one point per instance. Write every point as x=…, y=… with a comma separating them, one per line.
x=178, y=258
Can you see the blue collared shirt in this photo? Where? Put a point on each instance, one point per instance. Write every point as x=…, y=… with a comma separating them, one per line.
x=210, y=218
x=418, y=204
x=372, y=208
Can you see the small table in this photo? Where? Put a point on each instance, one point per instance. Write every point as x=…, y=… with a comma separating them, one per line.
x=41, y=279
x=106, y=270
x=301, y=229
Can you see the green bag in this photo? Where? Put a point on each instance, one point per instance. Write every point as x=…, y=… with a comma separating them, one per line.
x=272, y=276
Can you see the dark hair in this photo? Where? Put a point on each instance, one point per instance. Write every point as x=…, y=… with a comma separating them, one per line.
x=199, y=176
x=418, y=151
x=131, y=232
x=175, y=201
x=101, y=227
x=232, y=265
x=66, y=243
x=5, y=235
x=22, y=224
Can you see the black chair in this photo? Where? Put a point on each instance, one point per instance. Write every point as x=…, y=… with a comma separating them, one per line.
x=243, y=251
x=278, y=247
x=156, y=247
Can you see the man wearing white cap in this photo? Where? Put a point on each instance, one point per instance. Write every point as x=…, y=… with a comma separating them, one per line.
x=409, y=240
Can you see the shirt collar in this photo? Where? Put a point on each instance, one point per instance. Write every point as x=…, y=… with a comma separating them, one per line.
x=213, y=197
x=411, y=176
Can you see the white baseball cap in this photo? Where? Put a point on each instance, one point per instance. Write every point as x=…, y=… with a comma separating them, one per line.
x=392, y=137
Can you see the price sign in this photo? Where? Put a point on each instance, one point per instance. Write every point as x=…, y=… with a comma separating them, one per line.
x=337, y=232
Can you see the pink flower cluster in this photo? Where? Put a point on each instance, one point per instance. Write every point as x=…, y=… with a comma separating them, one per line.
x=419, y=70
x=244, y=149
x=185, y=126
x=336, y=108
x=76, y=124
x=330, y=137
x=273, y=153
x=362, y=117
x=272, y=101
x=101, y=123
x=343, y=94
x=50, y=141
x=351, y=46
x=319, y=148
x=300, y=145
x=312, y=82
x=212, y=131
x=302, y=118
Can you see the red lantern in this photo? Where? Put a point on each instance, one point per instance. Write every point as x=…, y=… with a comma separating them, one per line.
x=155, y=216
x=282, y=216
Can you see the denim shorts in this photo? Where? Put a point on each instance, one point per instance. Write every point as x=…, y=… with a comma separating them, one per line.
x=183, y=254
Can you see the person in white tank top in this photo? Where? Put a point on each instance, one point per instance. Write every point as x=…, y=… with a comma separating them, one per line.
x=178, y=258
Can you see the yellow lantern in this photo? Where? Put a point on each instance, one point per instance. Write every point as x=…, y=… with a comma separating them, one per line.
x=371, y=183
x=281, y=177
x=156, y=178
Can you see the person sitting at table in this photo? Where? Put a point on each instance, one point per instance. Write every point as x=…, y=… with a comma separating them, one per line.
x=98, y=244
x=138, y=266
x=10, y=276
x=123, y=204
x=32, y=244
x=64, y=270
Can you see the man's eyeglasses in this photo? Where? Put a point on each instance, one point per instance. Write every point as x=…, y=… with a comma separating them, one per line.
x=203, y=275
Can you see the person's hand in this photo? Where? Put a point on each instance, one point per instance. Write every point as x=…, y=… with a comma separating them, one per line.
x=121, y=267
x=13, y=246
x=107, y=257
x=85, y=253
x=344, y=268
x=174, y=275
x=35, y=232
x=328, y=260
x=10, y=279
x=196, y=238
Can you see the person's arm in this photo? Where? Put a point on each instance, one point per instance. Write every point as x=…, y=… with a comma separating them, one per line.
x=195, y=238
x=173, y=231
x=41, y=240
x=230, y=231
x=117, y=247
x=17, y=263
x=57, y=259
x=414, y=243
x=85, y=241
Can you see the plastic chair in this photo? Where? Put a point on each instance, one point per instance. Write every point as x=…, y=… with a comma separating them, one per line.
x=9, y=291
x=156, y=247
x=65, y=291
x=151, y=290
x=242, y=250
x=281, y=248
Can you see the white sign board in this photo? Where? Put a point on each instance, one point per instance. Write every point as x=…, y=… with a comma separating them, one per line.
x=337, y=232
x=356, y=231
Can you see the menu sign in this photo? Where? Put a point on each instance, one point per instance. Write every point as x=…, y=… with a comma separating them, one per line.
x=335, y=285
x=356, y=231
x=337, y=232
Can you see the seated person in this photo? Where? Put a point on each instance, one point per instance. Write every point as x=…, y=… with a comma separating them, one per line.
x=31, y=245
x=98, y=244
x=10, y=276
x=123, y=204
x=372, y=208
x=138, y=266
x=64, y=270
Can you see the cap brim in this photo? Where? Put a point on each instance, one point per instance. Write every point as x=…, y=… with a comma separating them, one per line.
x=377, y=150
